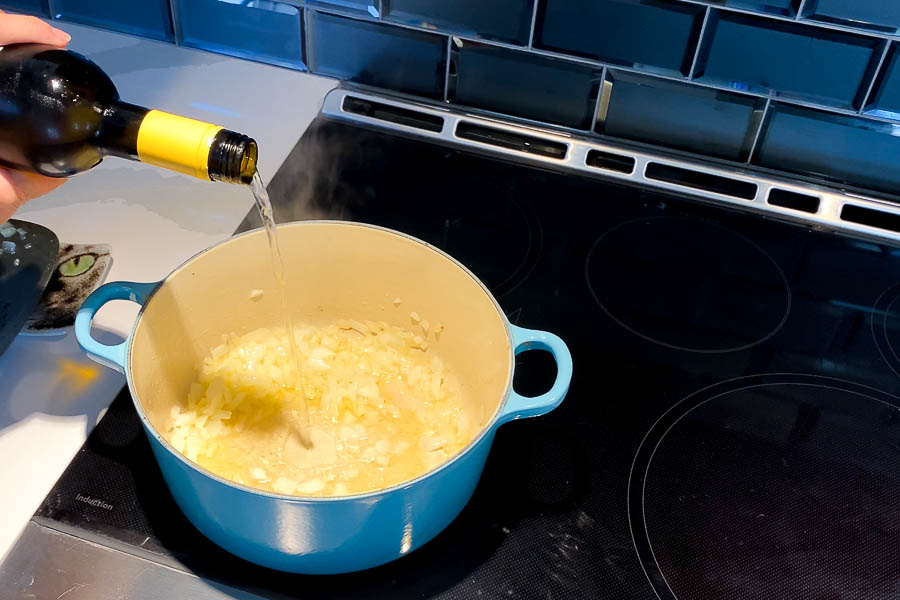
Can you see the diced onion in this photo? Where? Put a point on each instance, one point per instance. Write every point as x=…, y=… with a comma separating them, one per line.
x=381, y=409
x=284, y=485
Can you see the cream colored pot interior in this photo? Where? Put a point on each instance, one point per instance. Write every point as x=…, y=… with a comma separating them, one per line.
x=334, y=271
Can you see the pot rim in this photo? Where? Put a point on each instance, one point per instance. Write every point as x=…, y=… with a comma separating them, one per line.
x=475, y=441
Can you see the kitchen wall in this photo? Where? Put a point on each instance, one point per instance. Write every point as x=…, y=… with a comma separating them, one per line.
x=805, y=87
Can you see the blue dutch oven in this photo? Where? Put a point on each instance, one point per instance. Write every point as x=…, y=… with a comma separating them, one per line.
x=336, y=270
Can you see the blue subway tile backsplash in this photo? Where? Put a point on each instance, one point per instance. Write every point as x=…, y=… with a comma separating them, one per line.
x=503, y=20
x=879, y=15
x=39, y=7
x=804, y=87
x=786, y=59
x=524, y=85
x=680, y=116
x=146, y=18
x=258, y=29
x=851, y=150
x=651, y=34
x=377, y=54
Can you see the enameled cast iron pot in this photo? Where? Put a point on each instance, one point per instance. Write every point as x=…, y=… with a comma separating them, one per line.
x=335, y=270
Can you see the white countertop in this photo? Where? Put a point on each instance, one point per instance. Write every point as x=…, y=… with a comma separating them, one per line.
x=51, y=396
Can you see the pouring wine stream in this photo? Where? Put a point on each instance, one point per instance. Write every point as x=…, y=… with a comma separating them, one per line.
x=298, y=414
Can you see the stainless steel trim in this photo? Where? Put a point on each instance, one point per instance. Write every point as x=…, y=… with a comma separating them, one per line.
x=46, y=563
x=828, y=217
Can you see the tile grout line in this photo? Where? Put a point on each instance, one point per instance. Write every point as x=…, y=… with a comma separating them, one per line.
x=759, y=128
x=533, y=24
x=699, y=42
x=865, y=100
x=447, y=69
x=176, y=21
x=307, y=44
x=603, y=74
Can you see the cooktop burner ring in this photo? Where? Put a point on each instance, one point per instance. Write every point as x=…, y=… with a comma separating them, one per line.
x=533, y=253
x=879, y=322
x=886, y=414
x=740, y=266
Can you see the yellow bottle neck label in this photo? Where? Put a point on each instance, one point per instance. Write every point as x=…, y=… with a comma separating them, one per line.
x=176, y=143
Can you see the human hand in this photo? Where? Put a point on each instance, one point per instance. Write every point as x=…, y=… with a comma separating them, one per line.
x=17, y=187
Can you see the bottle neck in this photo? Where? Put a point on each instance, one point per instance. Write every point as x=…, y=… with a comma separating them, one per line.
x=185, y=145
x=119, y=133
x=232, y=158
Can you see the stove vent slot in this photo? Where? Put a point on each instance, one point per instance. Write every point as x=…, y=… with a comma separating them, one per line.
x=609, y=161
x=701, y=181
x=512, y=141
x=871, y=217
x=392, y=114
x=793, y=200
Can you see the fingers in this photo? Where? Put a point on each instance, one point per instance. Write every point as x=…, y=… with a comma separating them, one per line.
x=16, y=187
x=18, y=29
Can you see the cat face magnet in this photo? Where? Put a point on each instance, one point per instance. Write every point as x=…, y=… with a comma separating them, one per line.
x=79, y=270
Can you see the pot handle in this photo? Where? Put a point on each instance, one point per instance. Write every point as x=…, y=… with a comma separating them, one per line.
x=110, y=356
x=520, y=407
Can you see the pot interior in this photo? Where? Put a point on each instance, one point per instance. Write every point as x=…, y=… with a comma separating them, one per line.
x=334, y=271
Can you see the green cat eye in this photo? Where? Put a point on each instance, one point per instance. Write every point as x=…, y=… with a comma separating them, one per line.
x=77, y=265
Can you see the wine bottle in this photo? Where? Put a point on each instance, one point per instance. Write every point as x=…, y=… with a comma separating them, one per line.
x=60, y=114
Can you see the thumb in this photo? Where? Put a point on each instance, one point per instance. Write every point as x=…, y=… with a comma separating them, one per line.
x=17, y=187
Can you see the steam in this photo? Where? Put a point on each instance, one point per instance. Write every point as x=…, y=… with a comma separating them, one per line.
x=309, y=184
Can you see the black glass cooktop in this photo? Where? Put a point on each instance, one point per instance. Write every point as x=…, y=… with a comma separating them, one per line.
x=732, y=429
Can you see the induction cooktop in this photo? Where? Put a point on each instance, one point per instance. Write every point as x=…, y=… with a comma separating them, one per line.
x=732, y=429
